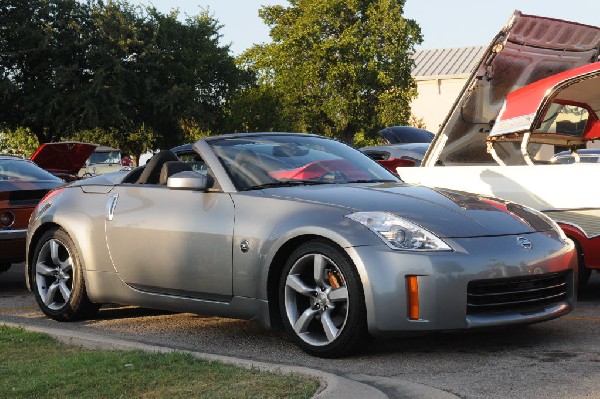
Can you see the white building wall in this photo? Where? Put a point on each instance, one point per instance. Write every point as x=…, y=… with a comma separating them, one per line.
x=436, y=95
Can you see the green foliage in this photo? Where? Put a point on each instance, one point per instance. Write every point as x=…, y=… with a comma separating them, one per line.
x=42, y=45
x=339, y=67
x=20, y=142
x=255, y=109
x=68, y=68
x=34, y=366
x=134, y=141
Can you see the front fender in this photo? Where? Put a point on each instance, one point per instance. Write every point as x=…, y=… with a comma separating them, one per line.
x=590, y=246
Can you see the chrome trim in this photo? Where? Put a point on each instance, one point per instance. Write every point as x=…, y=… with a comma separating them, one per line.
x=111, y=204
x=14, y=219
x=513, y=125
x=524, y=242
x=12, y=234
x=552, y=92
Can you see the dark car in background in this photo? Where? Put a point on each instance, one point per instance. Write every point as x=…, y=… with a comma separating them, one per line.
x=22, y=186
x=396, y=155
x=406, y=146
x=405, y=134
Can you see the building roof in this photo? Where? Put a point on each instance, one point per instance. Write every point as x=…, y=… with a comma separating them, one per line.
x=446, y=62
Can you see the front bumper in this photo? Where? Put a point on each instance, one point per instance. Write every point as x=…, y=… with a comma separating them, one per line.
x=444, y=277
x=12, y=245
x=6, y=235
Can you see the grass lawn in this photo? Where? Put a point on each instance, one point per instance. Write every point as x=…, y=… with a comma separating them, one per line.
x=33, y=365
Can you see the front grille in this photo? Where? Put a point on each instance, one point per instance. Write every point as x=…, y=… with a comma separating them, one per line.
x=516, y=294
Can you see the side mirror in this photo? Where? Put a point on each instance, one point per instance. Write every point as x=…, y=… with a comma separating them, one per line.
x=188, y=180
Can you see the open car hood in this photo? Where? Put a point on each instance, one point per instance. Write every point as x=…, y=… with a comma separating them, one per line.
x=65, y=157
x=528, y=49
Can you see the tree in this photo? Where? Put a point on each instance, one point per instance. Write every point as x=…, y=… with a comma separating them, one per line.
x=132, y=75
x=20, y=142
x=255, y=109
x=340, y=67
x=42, y=53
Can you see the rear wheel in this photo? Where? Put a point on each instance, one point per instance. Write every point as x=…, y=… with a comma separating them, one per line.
x=57, y=278
x=321, y=301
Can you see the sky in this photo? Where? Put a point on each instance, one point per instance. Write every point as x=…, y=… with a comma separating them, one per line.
x=444, y=23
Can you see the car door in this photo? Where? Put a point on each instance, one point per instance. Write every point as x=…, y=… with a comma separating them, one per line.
x=175, y=242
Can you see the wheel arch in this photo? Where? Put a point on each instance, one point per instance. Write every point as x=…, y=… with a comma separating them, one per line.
x=581, y=240
x=278, y=263
x=584, y=247
x=32, y=244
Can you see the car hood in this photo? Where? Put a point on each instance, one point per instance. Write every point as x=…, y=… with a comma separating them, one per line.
x=65, y=157
x=529, y=48
x=446, y=213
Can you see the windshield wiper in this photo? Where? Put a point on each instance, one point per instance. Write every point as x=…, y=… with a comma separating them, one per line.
x=373, y=181
x=285, y=183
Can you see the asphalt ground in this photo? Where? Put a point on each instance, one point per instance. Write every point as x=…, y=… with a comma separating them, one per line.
x=555, y=359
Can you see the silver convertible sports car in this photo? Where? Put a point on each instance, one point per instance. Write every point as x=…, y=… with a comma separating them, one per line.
x=299, y=231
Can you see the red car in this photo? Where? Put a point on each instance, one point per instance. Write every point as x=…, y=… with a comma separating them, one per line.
x=64, y=159
x=22, y=186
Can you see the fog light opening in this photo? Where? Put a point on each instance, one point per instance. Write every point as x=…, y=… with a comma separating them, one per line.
x=412, y=285
x=7, y=219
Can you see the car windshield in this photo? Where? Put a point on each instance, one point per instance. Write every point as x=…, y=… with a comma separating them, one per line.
x=105, y=157
x=22, y=170
x=283, y=160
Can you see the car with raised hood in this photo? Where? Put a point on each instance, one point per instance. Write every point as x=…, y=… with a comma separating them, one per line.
x=535, y=92
x=22, y=186
x=300, y=231
x=103, y=159
x=63, y=159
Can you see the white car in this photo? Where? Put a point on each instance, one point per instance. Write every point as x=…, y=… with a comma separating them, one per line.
x=536, y=91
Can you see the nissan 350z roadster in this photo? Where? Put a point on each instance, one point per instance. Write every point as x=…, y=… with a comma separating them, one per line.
x=296, y=231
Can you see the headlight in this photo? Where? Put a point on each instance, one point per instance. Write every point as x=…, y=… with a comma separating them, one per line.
x=399, y=233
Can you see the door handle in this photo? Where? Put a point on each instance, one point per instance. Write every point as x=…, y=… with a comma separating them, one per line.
x=111, y=204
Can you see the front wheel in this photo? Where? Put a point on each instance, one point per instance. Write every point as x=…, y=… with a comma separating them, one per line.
x=57, y=278
x=322, y=302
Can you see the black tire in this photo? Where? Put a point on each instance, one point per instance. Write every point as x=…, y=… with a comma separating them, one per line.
x=583, y=272
x=57, y=279
x=4, y=266
x=326, y=318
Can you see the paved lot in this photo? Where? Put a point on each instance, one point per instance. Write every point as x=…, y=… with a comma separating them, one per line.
x=556, y=359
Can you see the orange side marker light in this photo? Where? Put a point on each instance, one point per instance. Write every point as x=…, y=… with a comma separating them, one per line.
x=412, y=284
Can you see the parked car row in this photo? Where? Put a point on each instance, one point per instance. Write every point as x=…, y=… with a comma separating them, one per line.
x=305, y=233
